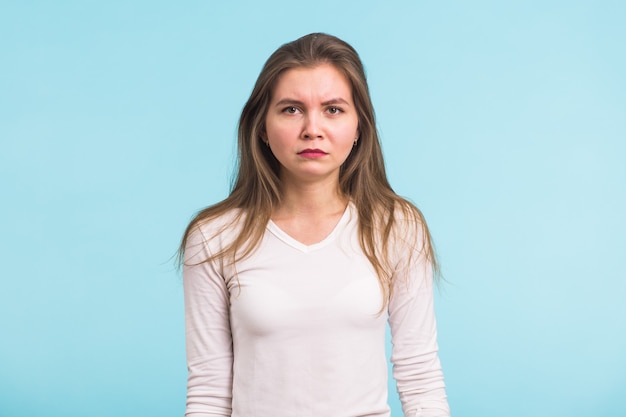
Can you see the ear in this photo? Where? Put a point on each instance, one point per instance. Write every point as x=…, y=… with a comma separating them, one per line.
x=263, y=138
x=262, y=133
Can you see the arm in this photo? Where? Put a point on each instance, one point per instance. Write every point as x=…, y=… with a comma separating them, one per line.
x=208, y=336
x=416, y=366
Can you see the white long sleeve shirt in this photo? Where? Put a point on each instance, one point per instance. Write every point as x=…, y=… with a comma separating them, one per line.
x=294, y=331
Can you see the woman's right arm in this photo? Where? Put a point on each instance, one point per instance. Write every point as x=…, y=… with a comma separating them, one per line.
x=208, y=336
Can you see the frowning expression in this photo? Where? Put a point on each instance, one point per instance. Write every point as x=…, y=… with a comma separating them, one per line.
x=312, y=123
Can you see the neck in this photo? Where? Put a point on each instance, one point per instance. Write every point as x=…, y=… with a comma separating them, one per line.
x=312, y=199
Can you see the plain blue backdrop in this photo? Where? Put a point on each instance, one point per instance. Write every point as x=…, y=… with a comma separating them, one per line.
x=504, y=121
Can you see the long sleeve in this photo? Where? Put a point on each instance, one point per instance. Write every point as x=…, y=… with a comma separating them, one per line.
x=416, y=365
x=301, y=323
x=208, y=334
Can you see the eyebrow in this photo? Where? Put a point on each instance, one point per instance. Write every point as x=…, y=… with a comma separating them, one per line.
x=337, y=100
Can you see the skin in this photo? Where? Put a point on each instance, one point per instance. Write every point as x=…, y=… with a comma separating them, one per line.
x=311, y=109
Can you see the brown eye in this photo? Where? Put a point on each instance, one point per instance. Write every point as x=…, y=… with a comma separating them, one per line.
x=334, y=110
x=290, y=110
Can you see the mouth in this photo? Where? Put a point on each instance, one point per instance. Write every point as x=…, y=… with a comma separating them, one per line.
x=312, y=153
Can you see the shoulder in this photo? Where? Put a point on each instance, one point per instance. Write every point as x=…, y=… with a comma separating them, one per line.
x=408, y=220
x=208, y=235
x=409, y=232
x=215, y=225
x=406, y=213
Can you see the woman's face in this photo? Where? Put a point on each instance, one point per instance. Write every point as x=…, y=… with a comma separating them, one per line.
x=311, y=123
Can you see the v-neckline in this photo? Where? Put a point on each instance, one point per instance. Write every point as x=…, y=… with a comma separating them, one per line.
x=296, y=244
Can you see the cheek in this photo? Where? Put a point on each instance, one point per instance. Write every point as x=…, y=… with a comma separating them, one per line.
x=350, y=133
x=279, y=132
x=279, y=139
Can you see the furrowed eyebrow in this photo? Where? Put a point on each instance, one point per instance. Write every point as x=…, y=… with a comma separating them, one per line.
x=291, y=101
x=337, y=100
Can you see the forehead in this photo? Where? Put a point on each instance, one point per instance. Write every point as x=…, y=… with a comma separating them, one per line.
x=319, y=81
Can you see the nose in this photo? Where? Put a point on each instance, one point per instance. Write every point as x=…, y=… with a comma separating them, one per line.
x=312, y=128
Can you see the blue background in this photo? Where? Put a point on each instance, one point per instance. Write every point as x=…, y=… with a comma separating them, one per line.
x=504, y=121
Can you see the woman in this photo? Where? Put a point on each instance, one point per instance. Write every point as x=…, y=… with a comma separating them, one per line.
x=289, y=281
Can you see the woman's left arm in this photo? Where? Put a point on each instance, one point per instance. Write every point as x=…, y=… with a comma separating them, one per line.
x=416, y=366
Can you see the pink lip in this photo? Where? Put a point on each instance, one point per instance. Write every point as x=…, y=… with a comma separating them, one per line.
x=312, y=153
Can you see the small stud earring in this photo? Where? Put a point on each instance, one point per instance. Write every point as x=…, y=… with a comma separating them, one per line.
x=355, y=141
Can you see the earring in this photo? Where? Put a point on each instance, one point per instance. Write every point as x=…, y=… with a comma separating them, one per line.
x=355, y=141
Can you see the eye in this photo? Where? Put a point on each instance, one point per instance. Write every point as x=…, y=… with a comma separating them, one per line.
x=290, y=110
x=334, y=110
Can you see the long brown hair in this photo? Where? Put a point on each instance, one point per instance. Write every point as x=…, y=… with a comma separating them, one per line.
x=256, y=191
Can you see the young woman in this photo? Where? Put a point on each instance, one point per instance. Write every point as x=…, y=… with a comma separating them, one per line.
x=290, y=280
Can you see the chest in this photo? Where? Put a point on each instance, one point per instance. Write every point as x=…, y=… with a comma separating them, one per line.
x=309, y=231
x=281, y=289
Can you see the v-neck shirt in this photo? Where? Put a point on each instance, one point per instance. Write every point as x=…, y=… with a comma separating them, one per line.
x=289, y=240
x=296, y=330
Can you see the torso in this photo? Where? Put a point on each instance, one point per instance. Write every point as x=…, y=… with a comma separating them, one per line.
x=304, y=315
